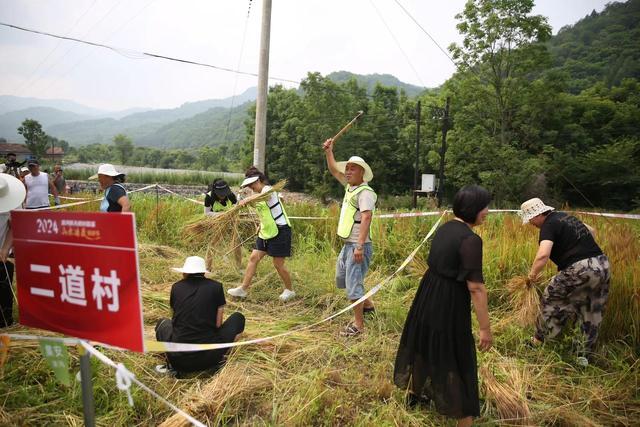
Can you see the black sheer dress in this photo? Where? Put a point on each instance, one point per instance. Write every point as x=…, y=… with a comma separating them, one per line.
x=436, y=358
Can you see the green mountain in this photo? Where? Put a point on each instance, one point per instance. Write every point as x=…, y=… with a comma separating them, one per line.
x=601, y=47
x=9, y=122
x=369, y=81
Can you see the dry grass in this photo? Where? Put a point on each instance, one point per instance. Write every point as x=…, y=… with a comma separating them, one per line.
x=507, y=391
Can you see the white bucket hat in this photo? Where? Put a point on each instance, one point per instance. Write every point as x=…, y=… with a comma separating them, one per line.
x=532, y=208
x=357, y=160
x=12, y=192
x=192, y=265
x=249, y=181
x=106, y=169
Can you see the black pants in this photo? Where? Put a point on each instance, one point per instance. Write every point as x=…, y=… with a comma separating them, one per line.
x=6, y=294
x=192, y=361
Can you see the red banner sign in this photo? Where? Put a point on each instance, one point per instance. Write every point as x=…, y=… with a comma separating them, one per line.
x=77, y=274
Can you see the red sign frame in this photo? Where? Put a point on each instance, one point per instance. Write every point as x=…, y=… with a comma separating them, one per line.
x=77, y=274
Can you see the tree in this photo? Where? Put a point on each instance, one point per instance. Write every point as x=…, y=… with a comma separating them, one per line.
x=124, y=146
x=35, y=138
x=502, y=45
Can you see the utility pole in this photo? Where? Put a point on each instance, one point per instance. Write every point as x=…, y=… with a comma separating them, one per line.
x=443, y=150
x=417, y=170
x=259, y=144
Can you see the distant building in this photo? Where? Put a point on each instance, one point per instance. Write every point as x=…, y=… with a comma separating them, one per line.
x=20, y=150
x=57, y=155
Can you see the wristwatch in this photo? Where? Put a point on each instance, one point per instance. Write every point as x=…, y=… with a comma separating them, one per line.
x=359, y=246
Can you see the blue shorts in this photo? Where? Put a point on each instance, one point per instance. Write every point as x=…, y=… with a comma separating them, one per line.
x=349, y=274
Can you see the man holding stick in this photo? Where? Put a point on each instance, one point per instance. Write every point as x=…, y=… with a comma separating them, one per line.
x=354, y=228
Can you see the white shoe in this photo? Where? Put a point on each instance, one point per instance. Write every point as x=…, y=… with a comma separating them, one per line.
x=287, y=295
x=237, y=292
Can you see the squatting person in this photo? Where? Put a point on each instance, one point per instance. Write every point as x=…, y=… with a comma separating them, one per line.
x=198, y=318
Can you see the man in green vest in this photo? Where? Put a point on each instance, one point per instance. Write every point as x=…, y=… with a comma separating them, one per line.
x=354, y=228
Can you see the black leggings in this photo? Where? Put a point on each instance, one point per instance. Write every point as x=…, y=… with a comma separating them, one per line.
x=191, y=361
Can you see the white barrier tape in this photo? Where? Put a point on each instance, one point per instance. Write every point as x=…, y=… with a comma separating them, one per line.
x=123, y=381
x=131, y=378
x=198, y=202
x=610, y=215
x=161, y=346
x=85, y=201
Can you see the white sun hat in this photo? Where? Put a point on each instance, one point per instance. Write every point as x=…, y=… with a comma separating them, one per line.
x=192, y=265
x=12, y=192
x=106, y=169
x=357, y=160
x=532, y=208
x=249, y=181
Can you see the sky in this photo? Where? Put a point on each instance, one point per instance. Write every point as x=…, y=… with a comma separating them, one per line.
x=361, y=36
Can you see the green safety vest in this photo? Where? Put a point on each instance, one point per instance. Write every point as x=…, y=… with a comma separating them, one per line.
x=268, y=226
x=219, y=207
x=348, y=211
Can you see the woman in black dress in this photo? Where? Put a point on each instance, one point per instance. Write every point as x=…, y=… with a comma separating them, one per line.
x=436, y=358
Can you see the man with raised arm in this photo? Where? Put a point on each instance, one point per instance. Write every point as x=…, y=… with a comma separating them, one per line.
x=354, y=227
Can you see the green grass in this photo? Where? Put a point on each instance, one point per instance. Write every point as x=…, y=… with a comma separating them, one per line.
x=316, y=377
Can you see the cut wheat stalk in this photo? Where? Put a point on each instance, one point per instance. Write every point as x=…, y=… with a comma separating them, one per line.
x=508, y=396
x=524, y=299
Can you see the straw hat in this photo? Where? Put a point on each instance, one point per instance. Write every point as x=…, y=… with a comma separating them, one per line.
x=368, y=173
x=106, y=169
x=249, y=181
x=12, y=192
x=192, y=265
x=532, y=208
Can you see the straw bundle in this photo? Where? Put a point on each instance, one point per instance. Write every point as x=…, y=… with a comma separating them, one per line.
x=524, y=300
x=508, y=396
x=233, y=386
x=210, y=231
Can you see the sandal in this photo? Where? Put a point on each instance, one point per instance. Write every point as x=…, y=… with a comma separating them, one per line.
x=350, y=331
x=370, y=310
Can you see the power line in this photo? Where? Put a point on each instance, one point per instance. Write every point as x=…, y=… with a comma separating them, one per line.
x=56, y=62
x=27, y=82
x=426, y=32
x=397, y=42
x=144, y=54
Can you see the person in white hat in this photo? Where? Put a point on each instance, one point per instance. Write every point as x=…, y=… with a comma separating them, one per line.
x=274, y=237
x=115, y=195
x=12, y=194
x=581, y=286
x=354, y=227
x=198, y=313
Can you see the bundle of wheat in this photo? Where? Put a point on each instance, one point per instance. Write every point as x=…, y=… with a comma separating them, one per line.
x=211, y=231
x=508, y=396
x=524, y=300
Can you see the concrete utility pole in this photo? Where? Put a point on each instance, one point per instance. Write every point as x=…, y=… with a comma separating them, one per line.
x=259, y=143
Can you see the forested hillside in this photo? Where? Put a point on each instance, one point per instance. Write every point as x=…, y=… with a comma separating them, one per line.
x=519, y=125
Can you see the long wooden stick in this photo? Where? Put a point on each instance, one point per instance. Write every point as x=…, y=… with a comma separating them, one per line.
x=347, y=126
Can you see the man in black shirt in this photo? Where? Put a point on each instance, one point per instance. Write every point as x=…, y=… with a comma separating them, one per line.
x=581, y=286
x=198, y=306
